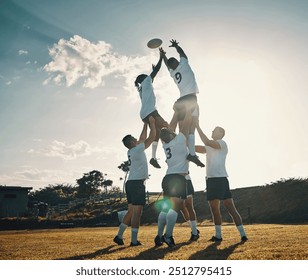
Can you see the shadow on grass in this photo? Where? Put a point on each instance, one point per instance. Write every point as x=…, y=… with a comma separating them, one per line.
x=212, y=252
x=93, y=255
x=156, y=253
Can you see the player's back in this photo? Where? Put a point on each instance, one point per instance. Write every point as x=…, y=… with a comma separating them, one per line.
x=176, y=155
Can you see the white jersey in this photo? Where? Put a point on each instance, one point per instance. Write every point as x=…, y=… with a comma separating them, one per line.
x=176, y=155
x=147, y=97
x=184, y=77
x=216, y=160
x=137, y=160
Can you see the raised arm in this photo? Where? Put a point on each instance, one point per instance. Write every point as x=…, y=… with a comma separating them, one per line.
x=180, y=51
x=143, y=134
x=165, y=59
x=174, y=121
x=156, y=68
x=207, y=142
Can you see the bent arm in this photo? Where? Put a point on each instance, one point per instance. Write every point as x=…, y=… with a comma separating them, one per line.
x=200, y=149
x=207, y=142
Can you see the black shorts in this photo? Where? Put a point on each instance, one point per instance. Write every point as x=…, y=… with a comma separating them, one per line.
x=154, y=114
x=174, y=185
x=187, y=103
x=189, y=188
x=135, y=192
x=218, y=188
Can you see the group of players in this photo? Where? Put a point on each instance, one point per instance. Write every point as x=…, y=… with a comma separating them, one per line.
x=179, y=149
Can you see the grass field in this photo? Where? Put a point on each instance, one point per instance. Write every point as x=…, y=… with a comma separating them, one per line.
x=266, y=242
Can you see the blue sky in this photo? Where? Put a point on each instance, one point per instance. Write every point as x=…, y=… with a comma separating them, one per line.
x=67, y=95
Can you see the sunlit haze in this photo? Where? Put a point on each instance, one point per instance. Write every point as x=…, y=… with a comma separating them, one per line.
x=67, y=94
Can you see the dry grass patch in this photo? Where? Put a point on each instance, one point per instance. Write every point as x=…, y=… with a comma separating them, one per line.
x=266, y=242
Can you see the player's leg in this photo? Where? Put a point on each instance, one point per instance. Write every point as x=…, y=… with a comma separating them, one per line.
x=216, y=215
x=192, y=218
x=171, y=219
x=137, y=212
x=118, y=239
x=173, y=214
x=159, y=124
x=229, y=204
x=185, y=212
x=189, y=206
x=138, y=201
x=189, y=203
x=193, y=109
x=176, y=191
x=178, y=117
x=163, y=205
x=161, y=223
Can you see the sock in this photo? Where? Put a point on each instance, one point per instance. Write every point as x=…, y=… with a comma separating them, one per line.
x=171, y=220
x=154, y=149
x=161, y=223
x=193, y=226
x=122, y=228
x=135, y=235
x=241, y=230
x=218, y=231
x=191, y=144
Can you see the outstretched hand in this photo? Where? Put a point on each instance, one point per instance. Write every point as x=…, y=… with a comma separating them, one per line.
x=174, y=43
x=162, y=52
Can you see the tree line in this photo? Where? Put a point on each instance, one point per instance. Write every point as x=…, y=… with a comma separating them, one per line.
x=92, y=183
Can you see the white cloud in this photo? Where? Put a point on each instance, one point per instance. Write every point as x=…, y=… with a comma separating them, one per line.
x=111, y=98
x=66, y=151
x=25, y=26
x=79, y=59
x=22, y=52
x=34, y=177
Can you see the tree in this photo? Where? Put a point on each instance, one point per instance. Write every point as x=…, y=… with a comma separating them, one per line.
x=106, y=184
x=124, y=166
x=54, y=194
x=91, y=183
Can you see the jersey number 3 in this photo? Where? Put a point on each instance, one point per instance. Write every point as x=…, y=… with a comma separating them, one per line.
x=168, y=153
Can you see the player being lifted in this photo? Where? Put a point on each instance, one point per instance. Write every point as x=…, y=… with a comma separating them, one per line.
x=144, y=85
x=184, y=78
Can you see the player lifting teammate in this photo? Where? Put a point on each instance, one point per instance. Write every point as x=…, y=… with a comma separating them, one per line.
x=174, y=182
x=134, y=187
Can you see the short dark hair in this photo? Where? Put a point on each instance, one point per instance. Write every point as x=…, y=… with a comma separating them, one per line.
x=165, y=134
x=127, y=140
x=172, y=63
x=140, y=79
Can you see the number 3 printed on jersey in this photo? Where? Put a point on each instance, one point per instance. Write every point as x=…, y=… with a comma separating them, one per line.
x=168, y=153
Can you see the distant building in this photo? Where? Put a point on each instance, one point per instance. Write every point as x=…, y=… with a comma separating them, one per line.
x=13, y=201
